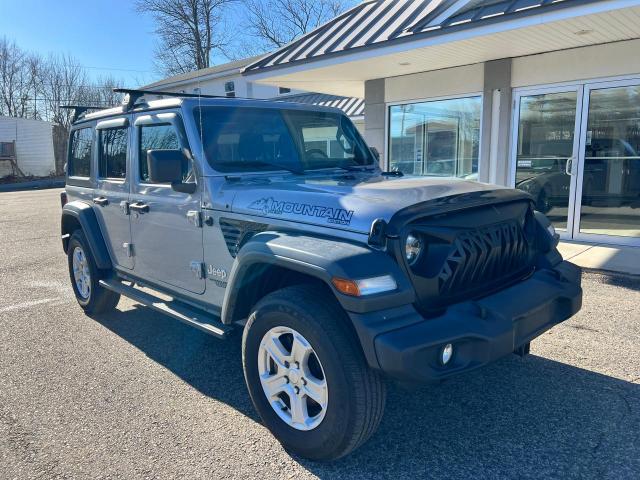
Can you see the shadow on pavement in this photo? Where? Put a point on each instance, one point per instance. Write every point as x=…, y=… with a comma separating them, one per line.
x=530, y=417
x=630, y=282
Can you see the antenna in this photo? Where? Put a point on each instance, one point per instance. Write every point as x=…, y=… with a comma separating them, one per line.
x=133, y=95
x=79, y=110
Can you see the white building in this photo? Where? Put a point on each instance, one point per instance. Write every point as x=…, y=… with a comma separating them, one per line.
x=539, y=94
x=26, y=147
x=227, y=80
x=222, y=80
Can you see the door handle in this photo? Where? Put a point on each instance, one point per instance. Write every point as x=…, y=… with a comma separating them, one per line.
x=569, y=166
x=139, y=207
x=102, y=201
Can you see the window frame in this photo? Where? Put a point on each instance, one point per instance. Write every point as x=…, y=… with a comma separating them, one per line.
x=175, y=119
x=138, y=146
x=115, y=124
x=78, y=179
x=387, y=123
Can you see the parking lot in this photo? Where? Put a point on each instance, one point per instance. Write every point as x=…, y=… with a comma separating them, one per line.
x=136, y=395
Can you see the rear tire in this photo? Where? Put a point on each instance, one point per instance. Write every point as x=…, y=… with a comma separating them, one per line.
x=85, y=275
x=354, y=393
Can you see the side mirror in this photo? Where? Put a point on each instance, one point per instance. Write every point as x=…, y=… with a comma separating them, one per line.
x=166, y=166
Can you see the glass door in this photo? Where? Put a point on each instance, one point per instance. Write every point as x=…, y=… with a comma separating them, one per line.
x=608, y=195
x=545, y=145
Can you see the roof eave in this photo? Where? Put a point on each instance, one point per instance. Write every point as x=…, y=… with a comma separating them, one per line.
x=554, y=12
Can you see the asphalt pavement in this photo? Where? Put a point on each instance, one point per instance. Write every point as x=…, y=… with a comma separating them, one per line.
x=134, y=394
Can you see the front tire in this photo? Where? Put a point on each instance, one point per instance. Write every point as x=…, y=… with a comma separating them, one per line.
x=307, y=375
x=85, y=275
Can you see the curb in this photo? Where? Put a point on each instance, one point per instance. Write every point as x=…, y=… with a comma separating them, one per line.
x=33, y=185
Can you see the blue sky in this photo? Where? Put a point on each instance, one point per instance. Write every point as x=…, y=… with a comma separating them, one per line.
x=106, y=36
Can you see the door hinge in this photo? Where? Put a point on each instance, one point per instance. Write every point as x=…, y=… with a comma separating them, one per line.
x=129, y=248
x=197, y=268
x=194, y=218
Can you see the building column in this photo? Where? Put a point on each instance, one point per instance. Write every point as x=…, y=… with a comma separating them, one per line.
x=374, y=116
x=496, y=123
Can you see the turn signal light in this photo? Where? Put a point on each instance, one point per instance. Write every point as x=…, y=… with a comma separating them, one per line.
x=365, y=286
x=348, y=287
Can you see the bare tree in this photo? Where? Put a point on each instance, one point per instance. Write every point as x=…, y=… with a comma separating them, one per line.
x=64, y=83
x=19, y=72
x=34, y=87
x=275, y=23
x=189, y=31
x=101, y=92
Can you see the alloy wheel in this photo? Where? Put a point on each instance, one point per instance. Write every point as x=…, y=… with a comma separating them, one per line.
x=292, y=378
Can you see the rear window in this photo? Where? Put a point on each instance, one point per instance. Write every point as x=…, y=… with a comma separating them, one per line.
x=113, y=153
x=238, y=139
x=79, y=162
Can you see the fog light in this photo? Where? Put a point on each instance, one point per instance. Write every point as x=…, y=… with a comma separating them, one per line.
x=446, y=353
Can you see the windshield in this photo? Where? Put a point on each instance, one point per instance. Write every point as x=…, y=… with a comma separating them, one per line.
x=242, y=139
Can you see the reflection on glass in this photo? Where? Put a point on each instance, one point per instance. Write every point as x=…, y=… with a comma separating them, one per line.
x=546, y=130
x=436, y=138
x=611, y=182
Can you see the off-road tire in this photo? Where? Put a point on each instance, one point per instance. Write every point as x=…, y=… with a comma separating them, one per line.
x=99, y=300
x=356, y=393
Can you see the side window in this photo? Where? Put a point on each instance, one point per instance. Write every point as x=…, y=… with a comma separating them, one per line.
x=113, y=153
x=161, y=136
x=230, y=89
x=79, y=162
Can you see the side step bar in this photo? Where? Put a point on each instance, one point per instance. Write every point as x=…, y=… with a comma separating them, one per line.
x=180, y=312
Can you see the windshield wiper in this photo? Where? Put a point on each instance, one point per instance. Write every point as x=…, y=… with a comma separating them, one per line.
x=356, y=168
x=297, y=171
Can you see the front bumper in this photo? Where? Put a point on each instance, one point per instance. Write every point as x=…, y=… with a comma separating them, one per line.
x=406, y=346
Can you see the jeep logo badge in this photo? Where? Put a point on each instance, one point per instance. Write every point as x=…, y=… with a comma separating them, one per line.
x=218, y=273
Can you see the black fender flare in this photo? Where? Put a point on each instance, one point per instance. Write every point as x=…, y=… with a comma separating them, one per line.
x=80, y=213
x=322, y=258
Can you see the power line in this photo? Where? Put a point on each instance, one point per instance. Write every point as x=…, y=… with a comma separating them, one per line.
x=113, y=68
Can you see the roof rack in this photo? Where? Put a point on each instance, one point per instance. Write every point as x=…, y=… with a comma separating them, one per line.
x=79, y=110
x=133, y=95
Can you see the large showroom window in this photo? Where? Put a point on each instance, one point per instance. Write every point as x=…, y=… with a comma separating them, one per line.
x=439, y=138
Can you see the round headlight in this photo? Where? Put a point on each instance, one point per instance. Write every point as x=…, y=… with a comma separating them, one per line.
x=413, y=248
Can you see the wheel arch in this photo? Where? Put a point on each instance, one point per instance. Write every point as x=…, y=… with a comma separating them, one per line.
x=79, y=215
x=256, y=279
x=270, y=261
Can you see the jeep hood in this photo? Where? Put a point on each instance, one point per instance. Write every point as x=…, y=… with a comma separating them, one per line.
x=350, y=202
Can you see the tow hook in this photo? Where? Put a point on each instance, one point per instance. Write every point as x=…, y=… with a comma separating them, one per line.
x=523, y=350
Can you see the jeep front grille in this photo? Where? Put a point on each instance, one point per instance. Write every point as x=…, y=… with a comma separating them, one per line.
x=483, y=256
x=470, y=253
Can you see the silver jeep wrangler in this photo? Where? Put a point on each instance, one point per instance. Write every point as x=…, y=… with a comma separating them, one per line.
x=275, y=218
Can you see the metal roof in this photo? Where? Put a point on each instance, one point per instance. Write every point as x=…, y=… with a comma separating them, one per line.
x=352, y=106
x=373, y=23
